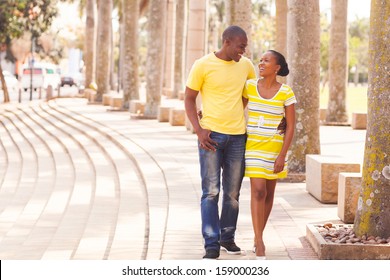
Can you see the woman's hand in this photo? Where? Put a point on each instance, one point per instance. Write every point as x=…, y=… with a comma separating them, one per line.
x=279, y=163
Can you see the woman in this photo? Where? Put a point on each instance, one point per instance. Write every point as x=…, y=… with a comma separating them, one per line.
x=266, y=147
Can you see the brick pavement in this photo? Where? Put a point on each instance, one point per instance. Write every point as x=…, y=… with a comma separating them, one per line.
x=79, y=182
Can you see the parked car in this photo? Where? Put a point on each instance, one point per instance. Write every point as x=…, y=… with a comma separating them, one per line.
x=43, y=75
x=11, y=82
x=67, y=80
x=73, y=79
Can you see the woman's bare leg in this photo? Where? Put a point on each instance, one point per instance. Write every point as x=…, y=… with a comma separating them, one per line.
x=262, y=197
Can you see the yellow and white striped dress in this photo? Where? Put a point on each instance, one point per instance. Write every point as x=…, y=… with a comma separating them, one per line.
x=264, y=142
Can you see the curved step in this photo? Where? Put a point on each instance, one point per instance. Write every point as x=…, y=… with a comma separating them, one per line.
x=124, y=239
x=156, y=187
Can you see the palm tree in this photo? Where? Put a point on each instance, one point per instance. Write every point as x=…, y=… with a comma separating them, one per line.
x=179, y=47
x=281, y=30
x=338, y=63
x=373, y=213
x=155, y=56
x=281, y=26
x=90, y=42
x=130, y=50
x=239, y=12
x=103, y=51
x=303, y=43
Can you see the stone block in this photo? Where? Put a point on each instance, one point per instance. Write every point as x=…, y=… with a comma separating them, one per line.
x=359, y=121
x=137, y=107
x=181, y=95
x=322, y=113
x=341, y=251
x=88, y=92
x=348, y=195
x=106, y=99
x=177, y=116
x=322, y=175
x=116, y=102
x=92, y=96
x=168, y=92
x=163, y=113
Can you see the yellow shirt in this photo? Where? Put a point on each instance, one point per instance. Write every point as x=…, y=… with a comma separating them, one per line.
x=221, y=84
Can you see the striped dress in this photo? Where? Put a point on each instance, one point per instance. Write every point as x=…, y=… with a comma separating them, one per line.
x=264, y=142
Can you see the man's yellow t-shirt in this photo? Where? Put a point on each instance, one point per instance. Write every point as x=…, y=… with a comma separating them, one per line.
x=221, y=84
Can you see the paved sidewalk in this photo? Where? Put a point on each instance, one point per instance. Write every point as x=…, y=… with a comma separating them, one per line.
x=79, y=182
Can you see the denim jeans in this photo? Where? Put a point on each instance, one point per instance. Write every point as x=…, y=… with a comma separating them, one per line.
x=228, y=157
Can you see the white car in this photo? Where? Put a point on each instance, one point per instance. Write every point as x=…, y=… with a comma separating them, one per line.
x=43, y=75
x=11, y=82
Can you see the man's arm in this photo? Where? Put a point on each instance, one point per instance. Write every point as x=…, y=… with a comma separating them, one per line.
x=192, y=114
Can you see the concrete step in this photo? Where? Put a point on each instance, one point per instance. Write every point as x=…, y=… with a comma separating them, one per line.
x=114, y=171
x=151, y=174
x=180, y=191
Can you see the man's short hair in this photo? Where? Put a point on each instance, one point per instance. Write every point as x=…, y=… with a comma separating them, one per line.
x=232, y=32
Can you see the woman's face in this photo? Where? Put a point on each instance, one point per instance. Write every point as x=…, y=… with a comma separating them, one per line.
x=267, y=65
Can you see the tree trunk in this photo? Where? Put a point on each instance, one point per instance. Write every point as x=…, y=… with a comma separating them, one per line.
x=155, y=56
x=130, y=53
x=90, y=43
x=179, y=47
x=169, y=58
x=303, y=41
x=373, y=212
x=281, y=26
x=103, y=54
x=338, y=63
x=239, y=12
x=356, y=75
x=4, y=86
x=281, y=30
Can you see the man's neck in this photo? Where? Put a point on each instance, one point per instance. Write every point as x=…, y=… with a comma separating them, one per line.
x=221, y=55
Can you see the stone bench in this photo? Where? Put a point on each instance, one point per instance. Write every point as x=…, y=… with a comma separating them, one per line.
x=348, y=195
x=322, y=175
x=168, y=92
x=116, y=102
x=322, y=114
x=106, y=99
x=359, y=121
x=90, y=94
x=177, y=116
x=137, y=107
x=181, y=95
x=163, y=113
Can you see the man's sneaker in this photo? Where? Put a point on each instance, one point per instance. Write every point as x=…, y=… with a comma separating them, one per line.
x=211, y=254
x=231, y=248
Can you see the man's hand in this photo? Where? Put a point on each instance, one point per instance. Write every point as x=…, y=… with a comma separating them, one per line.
x=282, y=126
x=205, y=141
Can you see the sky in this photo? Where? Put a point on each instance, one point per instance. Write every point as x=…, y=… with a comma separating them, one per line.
x=356, y=8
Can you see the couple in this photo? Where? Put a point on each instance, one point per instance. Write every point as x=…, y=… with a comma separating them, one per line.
x=226, y=143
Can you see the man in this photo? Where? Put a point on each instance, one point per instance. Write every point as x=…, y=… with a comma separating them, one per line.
x=220, y=78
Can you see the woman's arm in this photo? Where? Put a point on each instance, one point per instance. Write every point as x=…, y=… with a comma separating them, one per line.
x=290, y=127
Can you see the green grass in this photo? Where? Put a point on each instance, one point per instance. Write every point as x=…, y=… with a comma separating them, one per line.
x=356, y=99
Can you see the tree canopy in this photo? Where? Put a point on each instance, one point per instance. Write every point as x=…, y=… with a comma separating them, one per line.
x=19, y=16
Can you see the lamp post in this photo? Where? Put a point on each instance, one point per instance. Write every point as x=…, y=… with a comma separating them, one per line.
x=31, y=66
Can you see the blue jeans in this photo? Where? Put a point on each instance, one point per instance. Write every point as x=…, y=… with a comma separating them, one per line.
x=229, y=157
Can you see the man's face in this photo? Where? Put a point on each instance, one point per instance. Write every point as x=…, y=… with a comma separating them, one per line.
x=236, y=47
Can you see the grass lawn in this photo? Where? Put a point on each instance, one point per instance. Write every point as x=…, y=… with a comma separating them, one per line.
x=356, y=99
